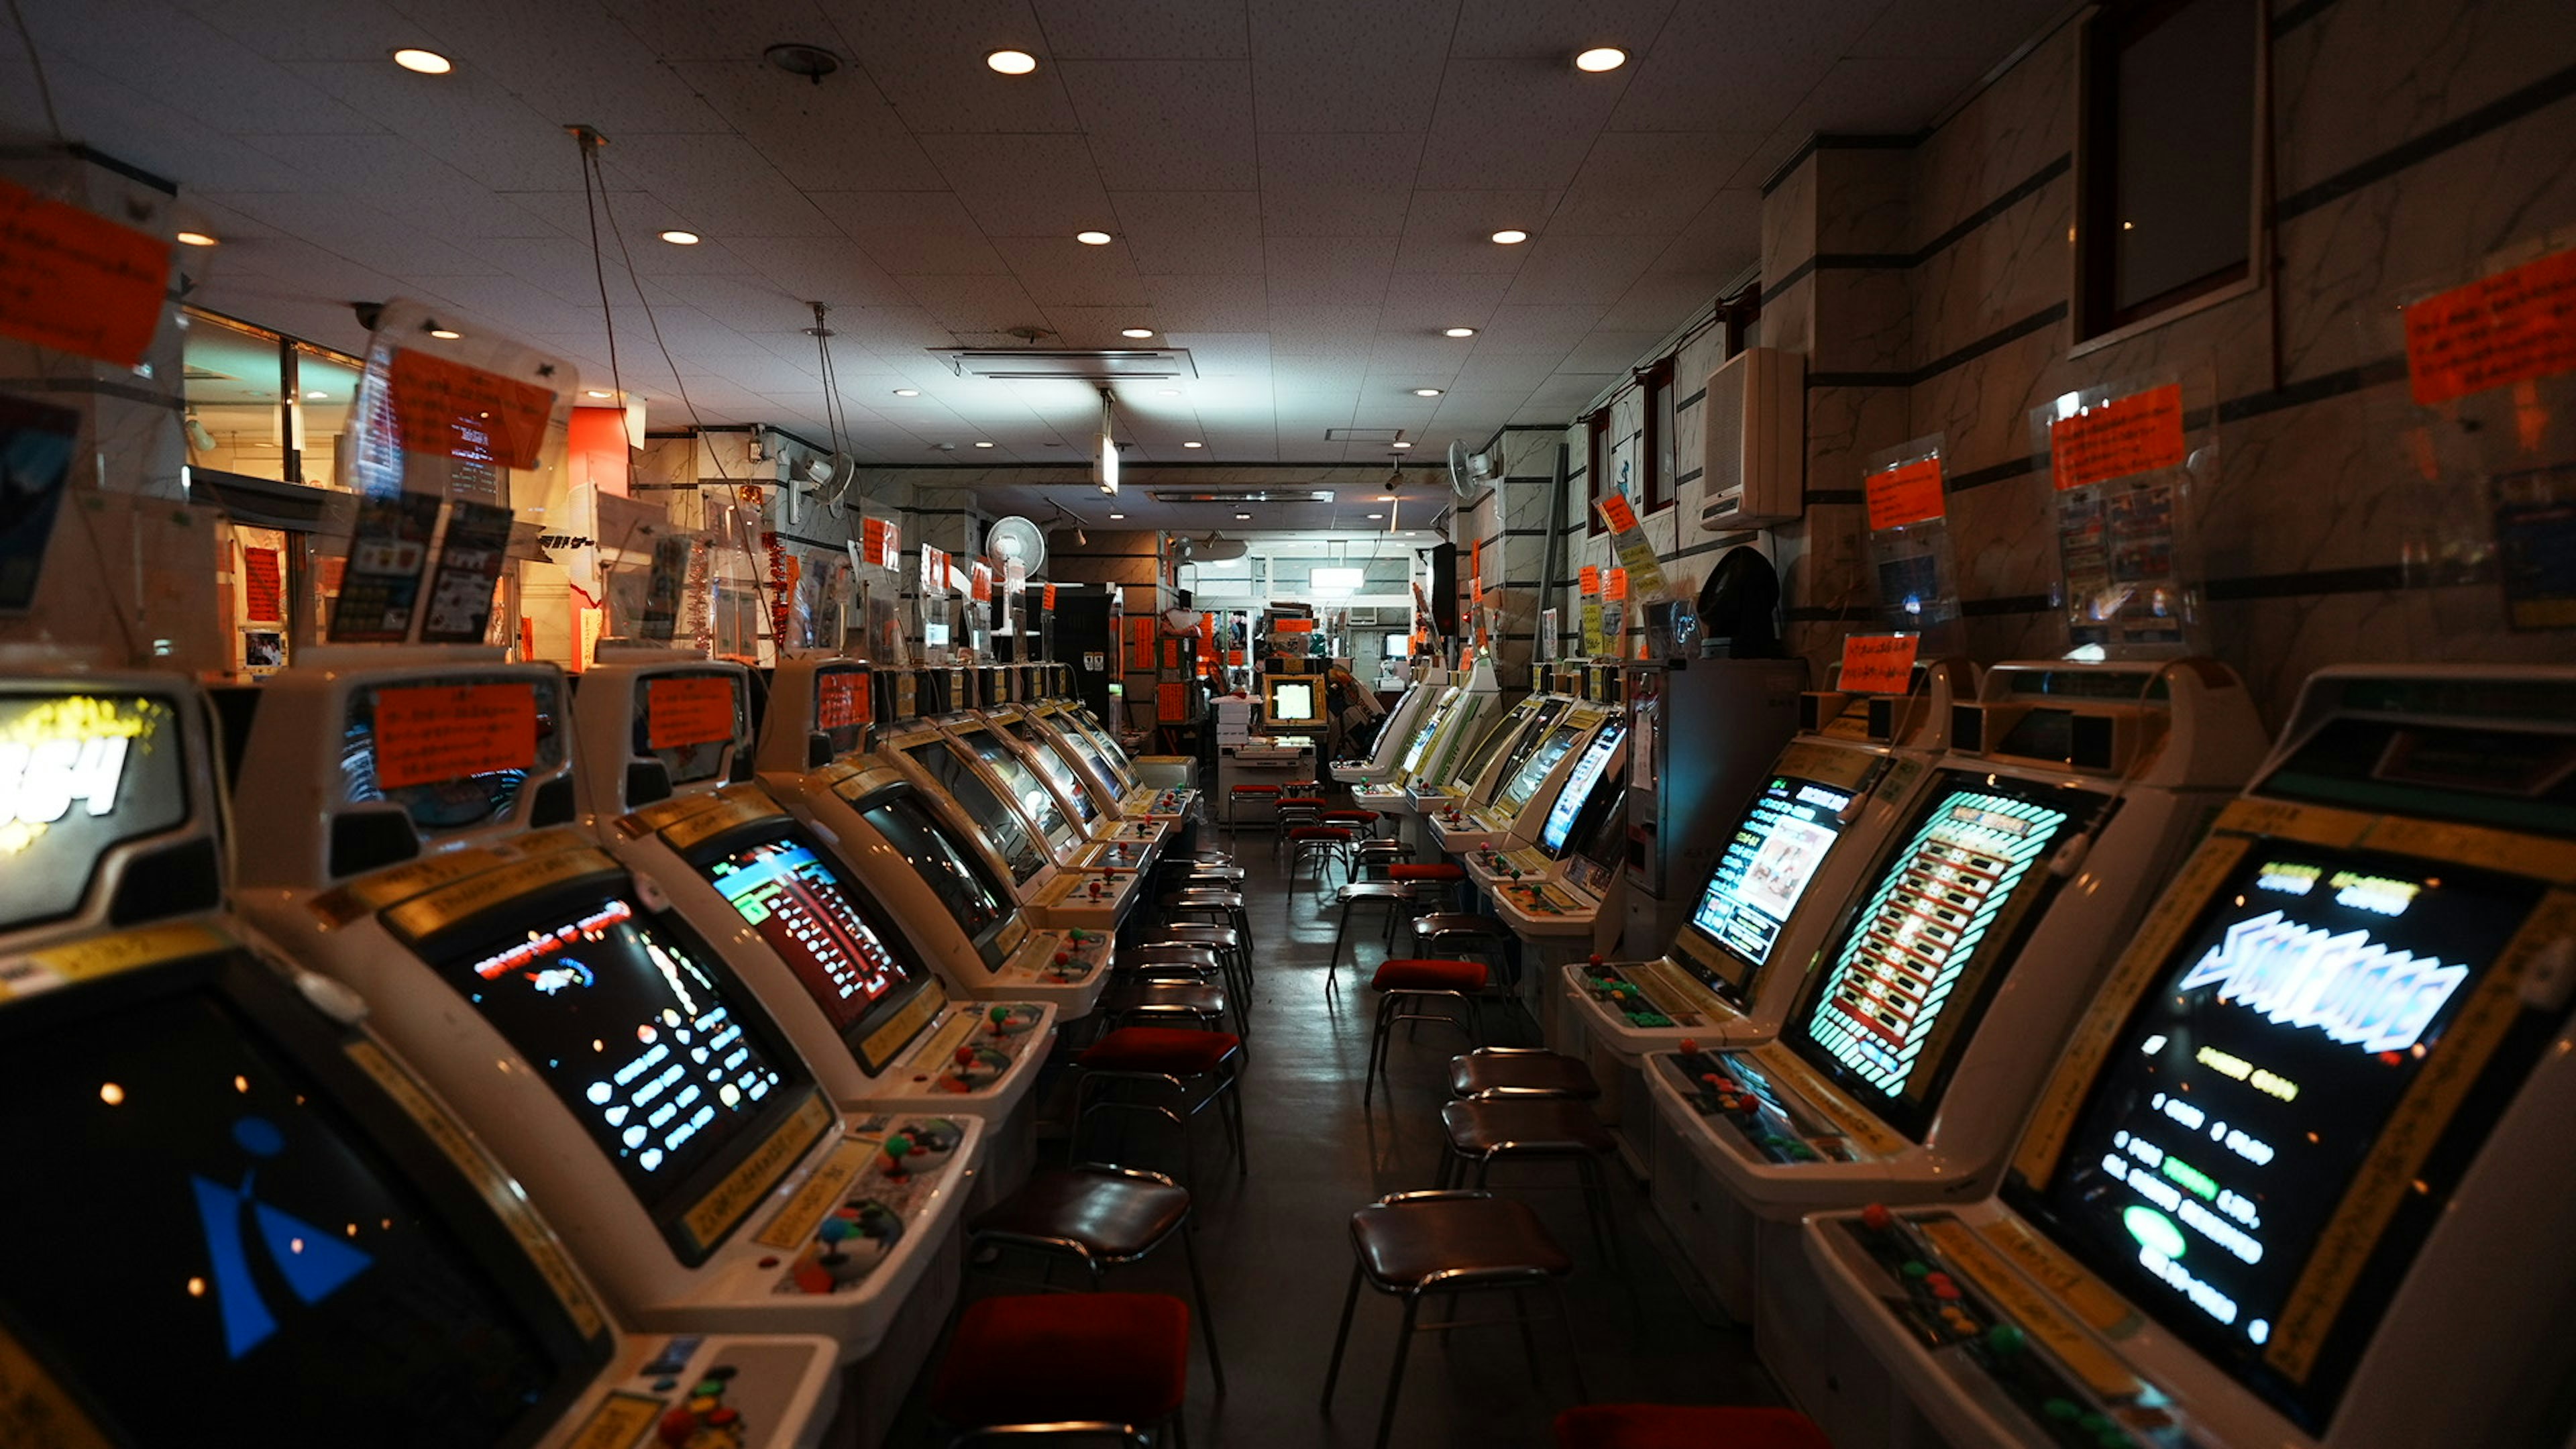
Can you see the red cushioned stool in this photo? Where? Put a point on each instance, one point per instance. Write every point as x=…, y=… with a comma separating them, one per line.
x=1323, y=844
x=1200, y=1068
x=1052, y=1358
x=1686, y=1426
x=1442, y=877
x=1246, y=794
x=1102, y=1217
x=1407, y=983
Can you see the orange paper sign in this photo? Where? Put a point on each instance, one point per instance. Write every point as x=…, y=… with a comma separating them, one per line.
x=2511, y=327
x=1906, y=493
x=840, y=699
x=77, y=282
x=979, y=576
x=683, y=712
x=1171, y=701
x=263, y=588
x=1050, y=598
x=1879, y=663
x=1614, y=584
x=2139, y=433
x=1616, y=513
x=1292, y=626
x=435, y=732
x=1591, y=580
x=880, y=543
x=456, y=411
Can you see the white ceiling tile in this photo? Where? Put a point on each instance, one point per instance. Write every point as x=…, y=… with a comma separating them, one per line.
x=469, y=119
x=1551, y=329
x=929, y=61
x=1876, y=94
x=989, y=306
x=1222, y=304
x=1583, y=268
x=911, y=232
x=820, y=269
x=1661, y=301
x=1330, y=65
x=717, y=185
x=1452, y=231
x=188, y=66
x=1981, y=34
x=1098, y=326
x=1024, y=185
x=1513, y=125
x=1649, y=183
x=1329, y=271
x=685, y=30
x=1725, y=237
x=1736, y=67
x=1554, y=30
x=1352, y=183
x=1610, y=351
x=1504, y=371
x=1060, y=271
x=1145, y=29
x=1205, y=233
x=1431, y=301
x=837, y=136
x=616, y=84
x=1166, y=125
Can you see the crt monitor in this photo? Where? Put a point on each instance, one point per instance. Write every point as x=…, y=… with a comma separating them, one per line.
x=388, y=754
x=246, y=1241
x=652, y=1045
x=1759, y=879
x=851, y=962
x=2291, y=1029
x=1001, y=827
x=1531, y=770
x=81, y=774
x=1589, y=777
x=1919, y=958
x=1292, y=701
x=1022, y=782
x=1057, y=767
x=977, y=901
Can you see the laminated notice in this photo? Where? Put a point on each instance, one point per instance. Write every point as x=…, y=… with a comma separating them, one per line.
x=2511, y=327
x=77, y=282
x=689, y=711
x=841, y=699
x=1879, y=663
x=1591, y=580
x=432, y=732
x=1906, y=493
x=450, y=410
x=1614, y=584
x=2140, y=433
x=1616, y=513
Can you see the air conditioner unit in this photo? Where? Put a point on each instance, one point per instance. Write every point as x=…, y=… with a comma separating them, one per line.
x=1753, y=470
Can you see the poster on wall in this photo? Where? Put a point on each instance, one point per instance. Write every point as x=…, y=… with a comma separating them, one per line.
x=388, y=552
x=263, y=586
x=35, y=460
x=2123, y=471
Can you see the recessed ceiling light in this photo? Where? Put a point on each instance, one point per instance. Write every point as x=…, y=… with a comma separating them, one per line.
x=445, y=334
x=1135, y=331
x=595, y=392
x=1386, y=498
x=907, y=392
x=1094, y=238
x=316, y=395
x=194, y=239
x=1377, y=515
x=1600, y=58
x=1012, y=62
x=679, y=238
x=1426, y=392
x=983, y=445
x=1118, y=515
x=1458, y=332
x=1193, y=445
x=1510, y=236
x=1169, y=391
x=1243, y=518
x=1399, y=446
x=426, y=62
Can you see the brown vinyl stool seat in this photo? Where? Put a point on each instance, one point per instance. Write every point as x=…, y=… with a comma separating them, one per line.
x=1414, y=1244
x=1324, y=844
x=1051, y=1358
x=1386, y=893
x=1199, y=1069
x=1223, y=940
x=1521, y=1072
x=1408, y=985
x=1486, y=1130
x=1157, y=1003
x=1686, y=1426
x=1103, y=1217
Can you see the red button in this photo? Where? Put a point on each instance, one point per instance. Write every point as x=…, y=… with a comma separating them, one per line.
x=1876, y=1217
x=676, y=1427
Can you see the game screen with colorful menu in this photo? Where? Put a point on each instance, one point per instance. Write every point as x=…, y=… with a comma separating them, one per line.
x=811, y=914
x=274, y=1277
x=1917, y=962
x=1579, y=786
x=648, y=1046
x=2237, y=1105
x=1760, y=878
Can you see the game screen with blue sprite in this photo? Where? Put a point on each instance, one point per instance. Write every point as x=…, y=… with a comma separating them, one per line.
x=2237, y=1105
x=1764, y=871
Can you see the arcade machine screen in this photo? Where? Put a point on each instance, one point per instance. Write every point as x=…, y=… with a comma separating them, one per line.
x=1783, y=837
x=523, y=716
x=1524, y=781
x=1924, y=951
x=688, y=721
x=1532, y=739
x=1080, y=742
x=1293, y=702
x=1576, y=797
x=1471, y=766
x=1001, y=825
x=1023, y=784
x=2239, y=1102
x=1052, y=760
x=238, y=1260
x=1103, y=739
x=813, y=917
x=1601, y=839
x=643, y=1044
x=1429, y=728
x=78, y=774
x=979, y=904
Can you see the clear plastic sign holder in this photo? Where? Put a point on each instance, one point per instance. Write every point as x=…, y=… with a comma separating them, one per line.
x=1911, y=563
x=2127, y=467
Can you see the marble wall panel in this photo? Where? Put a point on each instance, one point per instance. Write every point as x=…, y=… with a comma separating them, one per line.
x=1864, y=200
x=1845, y=425
x=2365, y=76
x=2004, y=539
x=1789, y=220
x=2007, y=134
x=2018, y=263
x=2322, y=486
x=1982, y=406
x=1789, y=319
x=1864, y=321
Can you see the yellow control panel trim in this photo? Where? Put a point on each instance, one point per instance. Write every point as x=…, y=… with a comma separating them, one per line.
x=886, y=1040
x=37, y=1411
x=108, y=955
x=712, y=1216
x=2038, y=1315
x=1848, y=1116
x=620, y=1422
x=371, y=893
x=788, y=1228
x=728, y=814
x=424, y=916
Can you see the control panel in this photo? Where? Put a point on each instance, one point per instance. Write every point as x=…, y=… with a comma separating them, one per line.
x=851, y=1216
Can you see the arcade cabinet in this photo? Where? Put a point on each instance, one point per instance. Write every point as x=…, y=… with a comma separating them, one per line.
x=1562, y=894
x=2295, y=1178
x=407, y=829
x=1518, y=793
x=262, y=1228
x=1394, y=733
x=2068, y=794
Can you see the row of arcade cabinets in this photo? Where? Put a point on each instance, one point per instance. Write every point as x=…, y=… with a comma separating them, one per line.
x=526, y=1070
x=2025, y=1075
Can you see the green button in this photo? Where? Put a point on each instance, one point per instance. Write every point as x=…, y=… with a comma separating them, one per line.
x=2061, y=1410
x=1915, y=1268
x=708, y=1389
x=2004, y=1338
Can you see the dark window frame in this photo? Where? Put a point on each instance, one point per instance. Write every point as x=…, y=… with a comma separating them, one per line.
x=1655, y=387
x=2097, y=318
x=1596, y=465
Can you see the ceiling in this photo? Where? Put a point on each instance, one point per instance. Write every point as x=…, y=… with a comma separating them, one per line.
x=1300, y=191
x=1301, y=502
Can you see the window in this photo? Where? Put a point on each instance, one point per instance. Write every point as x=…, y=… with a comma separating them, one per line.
x=1657, y=445
x=234, y=384
x=1596, y=467
x=2168, y=147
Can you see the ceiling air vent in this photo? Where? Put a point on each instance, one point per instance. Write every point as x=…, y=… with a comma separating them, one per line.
x=1363, y=435
x=1061, y=364
x=1255, y=495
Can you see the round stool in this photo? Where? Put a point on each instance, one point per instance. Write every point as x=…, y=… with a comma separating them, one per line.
x=1051, y=1358
x=1520, y=1072
x=1104, y=1217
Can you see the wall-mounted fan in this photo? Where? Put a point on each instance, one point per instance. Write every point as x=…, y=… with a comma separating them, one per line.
x=1471, y=473
x=1017, y=538
x=1217, y=548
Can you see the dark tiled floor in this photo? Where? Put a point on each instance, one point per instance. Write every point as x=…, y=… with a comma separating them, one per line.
x=1275, y=1243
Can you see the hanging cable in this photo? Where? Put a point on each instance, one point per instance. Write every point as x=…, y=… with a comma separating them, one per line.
x=36, y=63
x=590, y=141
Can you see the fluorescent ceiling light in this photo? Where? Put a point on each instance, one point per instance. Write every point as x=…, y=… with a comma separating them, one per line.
x=680, y=238
x=1012, y=62
x=983, y=445
x=907, y=392
x=1094, y=238
x=1377, y=515
x=595, y=392
x=1135, y=331
x=195, y=239
x=1335, y=581
x=1426, y=392
x=1399, y=445
x=1118, y=515
x=1458, y=332
x=1243, y=518
x=1510, y=236
x=426, y=62
x=445, y=334
x=1193, y=445
x=1600, y=58
x=316, y=395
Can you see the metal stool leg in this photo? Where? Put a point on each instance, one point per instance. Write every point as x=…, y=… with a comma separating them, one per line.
x=1198, y=1290
x=1350, y=1303
x=1395, y=1375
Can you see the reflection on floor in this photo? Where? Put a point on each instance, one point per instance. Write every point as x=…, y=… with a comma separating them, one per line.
x=1276, y=1244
